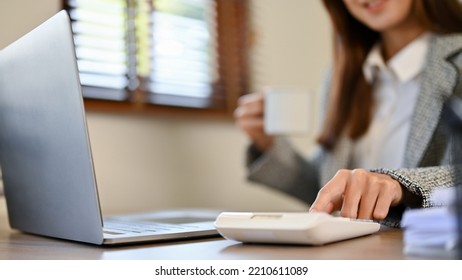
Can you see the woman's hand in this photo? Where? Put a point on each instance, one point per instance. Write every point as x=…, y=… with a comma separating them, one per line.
x=249, y=117
x=359, y=194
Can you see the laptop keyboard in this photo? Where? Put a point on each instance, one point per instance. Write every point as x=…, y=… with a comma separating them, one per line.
x=121, y=227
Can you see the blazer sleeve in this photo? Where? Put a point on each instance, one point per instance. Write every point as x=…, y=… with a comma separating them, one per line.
x=285, y=169
x=420, y=183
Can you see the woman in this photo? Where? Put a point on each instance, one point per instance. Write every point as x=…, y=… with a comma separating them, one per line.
x=382, y=146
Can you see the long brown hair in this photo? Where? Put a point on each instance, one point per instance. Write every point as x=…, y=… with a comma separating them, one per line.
x=351, y=103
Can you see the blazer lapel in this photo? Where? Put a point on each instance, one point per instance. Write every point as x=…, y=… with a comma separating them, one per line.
x=438, y=82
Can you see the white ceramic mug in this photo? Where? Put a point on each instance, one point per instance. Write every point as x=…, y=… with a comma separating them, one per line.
x=288, y=110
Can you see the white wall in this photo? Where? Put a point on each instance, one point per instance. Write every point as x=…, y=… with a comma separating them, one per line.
x=147, y=163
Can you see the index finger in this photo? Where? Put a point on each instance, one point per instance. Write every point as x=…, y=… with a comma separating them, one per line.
x=331, y=194
x=250, y=98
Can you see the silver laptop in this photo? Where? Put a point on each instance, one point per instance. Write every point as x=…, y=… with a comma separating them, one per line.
x=45, y=154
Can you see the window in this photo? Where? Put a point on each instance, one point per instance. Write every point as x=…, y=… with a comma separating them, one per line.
x=148, y=55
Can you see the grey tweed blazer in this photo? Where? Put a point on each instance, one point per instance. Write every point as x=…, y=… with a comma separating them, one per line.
x=427, y=152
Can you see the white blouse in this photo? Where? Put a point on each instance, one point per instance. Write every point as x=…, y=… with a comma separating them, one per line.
x=396, y=86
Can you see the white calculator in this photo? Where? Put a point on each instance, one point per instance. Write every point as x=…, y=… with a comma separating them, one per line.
x=305, y=228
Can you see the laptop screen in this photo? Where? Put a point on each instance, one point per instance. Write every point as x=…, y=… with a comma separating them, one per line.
x=45, y=155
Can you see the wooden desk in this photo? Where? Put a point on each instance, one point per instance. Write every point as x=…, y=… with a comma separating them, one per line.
x=385, y=245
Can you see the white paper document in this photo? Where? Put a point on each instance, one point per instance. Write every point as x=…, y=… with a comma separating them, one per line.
x=432, y=232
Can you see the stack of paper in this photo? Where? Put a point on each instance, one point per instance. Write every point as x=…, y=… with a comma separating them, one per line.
x=433, y=232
